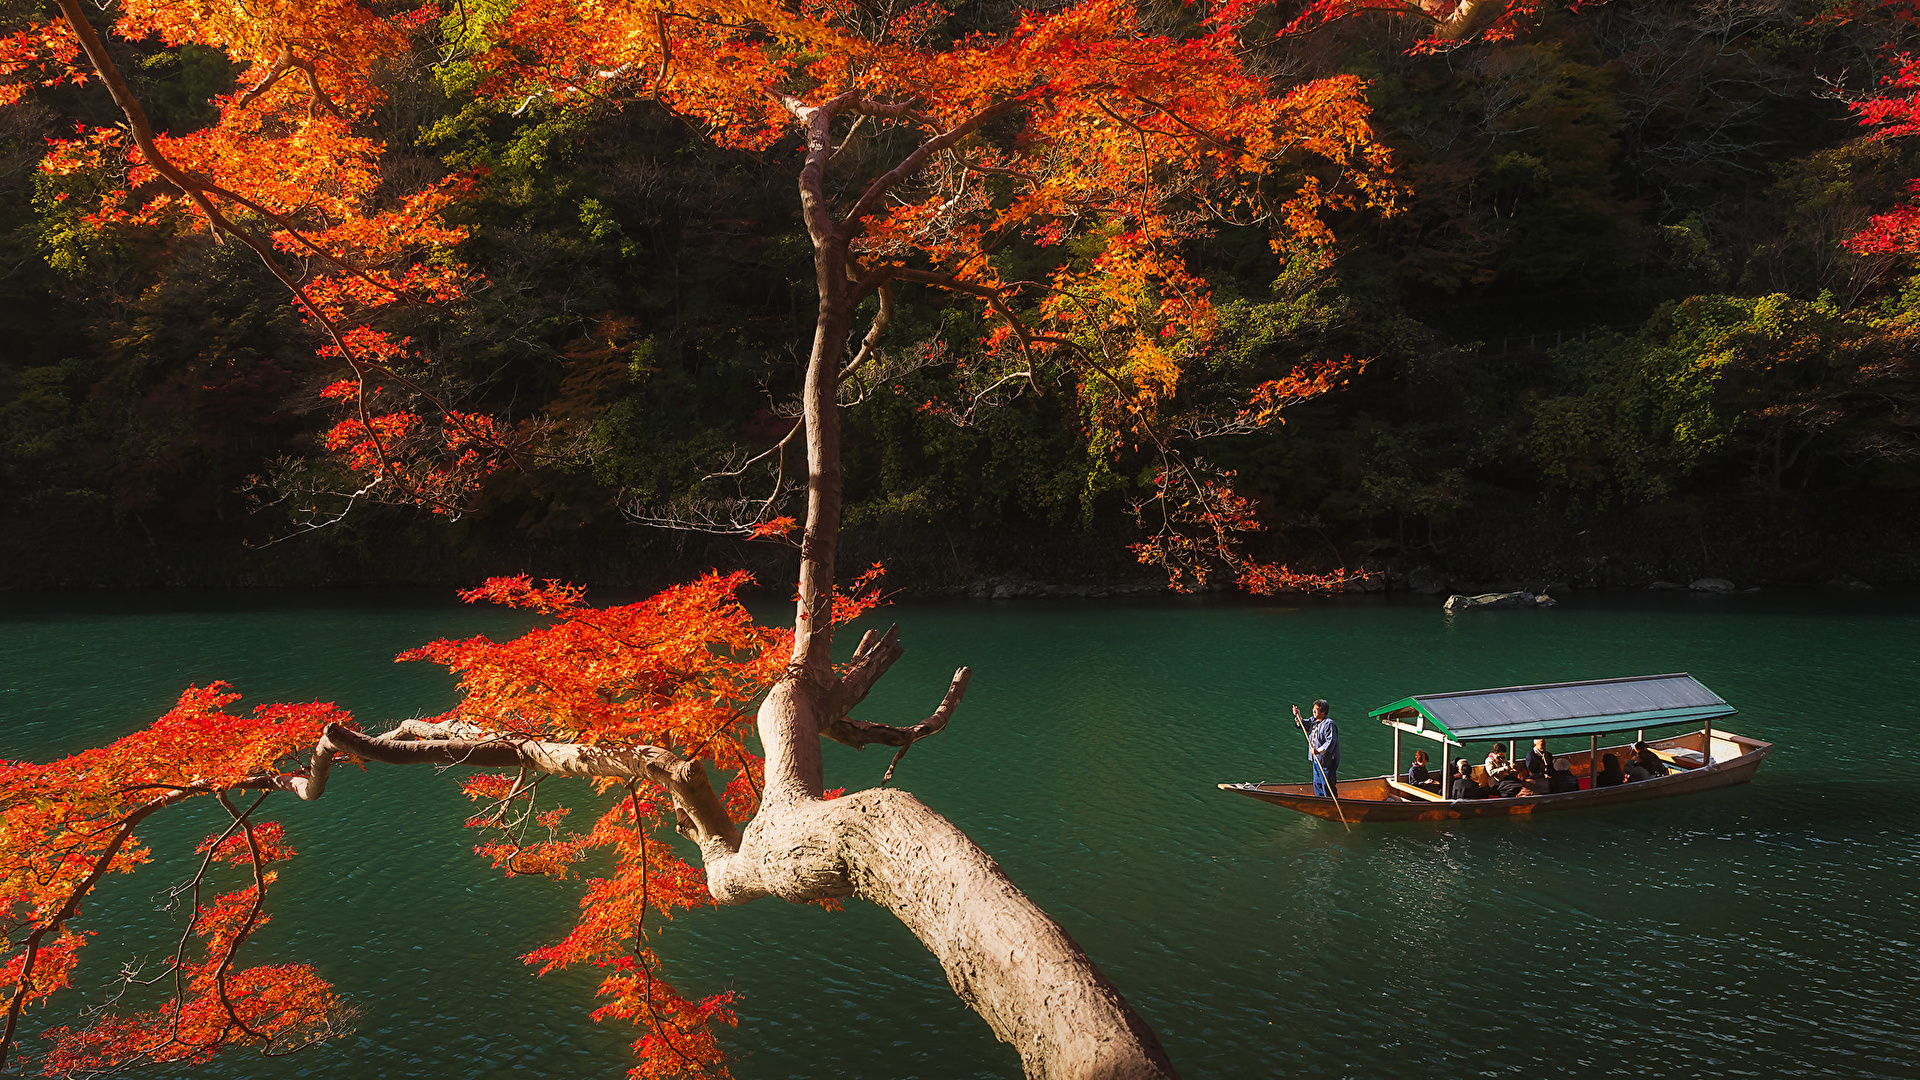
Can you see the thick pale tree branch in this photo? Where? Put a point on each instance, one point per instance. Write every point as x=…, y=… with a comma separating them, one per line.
x=702, y=817
x=860, y=734
x=818, y=121
x=1467, y=19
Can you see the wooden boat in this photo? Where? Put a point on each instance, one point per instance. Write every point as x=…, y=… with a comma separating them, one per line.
x=1700, y=760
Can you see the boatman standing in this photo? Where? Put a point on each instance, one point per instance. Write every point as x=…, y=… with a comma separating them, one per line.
x=1323, y=746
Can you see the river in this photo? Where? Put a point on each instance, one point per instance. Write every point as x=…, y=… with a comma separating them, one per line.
x=1767, y=930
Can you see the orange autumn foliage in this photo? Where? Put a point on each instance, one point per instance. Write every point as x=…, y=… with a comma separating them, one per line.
x=66, y=824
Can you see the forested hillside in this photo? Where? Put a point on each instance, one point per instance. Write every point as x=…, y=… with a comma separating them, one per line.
x=1619, y=323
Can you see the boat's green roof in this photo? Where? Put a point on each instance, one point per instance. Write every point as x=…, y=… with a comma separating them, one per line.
x=1555, y=709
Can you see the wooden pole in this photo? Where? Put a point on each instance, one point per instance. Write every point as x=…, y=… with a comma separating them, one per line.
x=1593, y=763
x=1396, y=751
x=1706, y=744
x=1446, y=778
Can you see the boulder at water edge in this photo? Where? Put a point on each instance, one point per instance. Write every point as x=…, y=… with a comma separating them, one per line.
x=1712, y=584
x=1463, y=602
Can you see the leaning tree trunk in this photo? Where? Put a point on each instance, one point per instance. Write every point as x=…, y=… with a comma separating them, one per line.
x=1005, y=957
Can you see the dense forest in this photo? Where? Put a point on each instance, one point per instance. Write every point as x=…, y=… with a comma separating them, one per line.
x=1615, y=327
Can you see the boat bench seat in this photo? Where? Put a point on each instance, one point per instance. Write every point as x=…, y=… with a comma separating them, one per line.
x=1409, y=793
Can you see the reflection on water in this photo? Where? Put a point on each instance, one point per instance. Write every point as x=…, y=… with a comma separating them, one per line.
x=1761, y=931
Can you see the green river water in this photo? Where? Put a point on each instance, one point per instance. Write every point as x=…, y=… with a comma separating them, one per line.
x=1764, y=931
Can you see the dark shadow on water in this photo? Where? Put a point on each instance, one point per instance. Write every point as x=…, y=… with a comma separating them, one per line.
x=69, y=606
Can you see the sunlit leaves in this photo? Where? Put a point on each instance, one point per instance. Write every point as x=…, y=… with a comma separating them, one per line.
x=63, y=825
x=669, y=671
x=678, y=670
x=277, y=1007
x=42, y=55
x=1894, y=112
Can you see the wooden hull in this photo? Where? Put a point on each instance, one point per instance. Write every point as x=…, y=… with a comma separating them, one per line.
x=1375, y=799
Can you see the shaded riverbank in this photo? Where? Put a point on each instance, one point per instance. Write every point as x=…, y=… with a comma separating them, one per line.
x=1792, y=540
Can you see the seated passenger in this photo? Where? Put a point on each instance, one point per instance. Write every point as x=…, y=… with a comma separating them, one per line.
x=1563, y=778
x=1498, y=767
x=1419, y=775
x=1635, y=770
x=1531, y=783
x=1508, y=787
x=1539, y=762
x=1463, y=785
x=1649, y=760
x=1610, y=773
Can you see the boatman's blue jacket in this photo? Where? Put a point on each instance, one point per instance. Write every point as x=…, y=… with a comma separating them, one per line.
x=1323, y=742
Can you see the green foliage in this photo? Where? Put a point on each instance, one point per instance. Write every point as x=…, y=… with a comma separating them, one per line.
x=1777, y=381
x=1637, y=416
x=1027, y=463
x=1305, y=308
x=176, y=86
x=35, y=415
x=17, y=15
x=1403, y=475
x=68, y=239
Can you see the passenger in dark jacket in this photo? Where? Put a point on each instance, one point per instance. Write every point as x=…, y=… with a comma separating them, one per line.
x=1563, y=779
x=1539, y=762
x=1463, y=785
x=1419, y=775
x=1534, y=783
x=1649, y=760
x=1610, y=773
